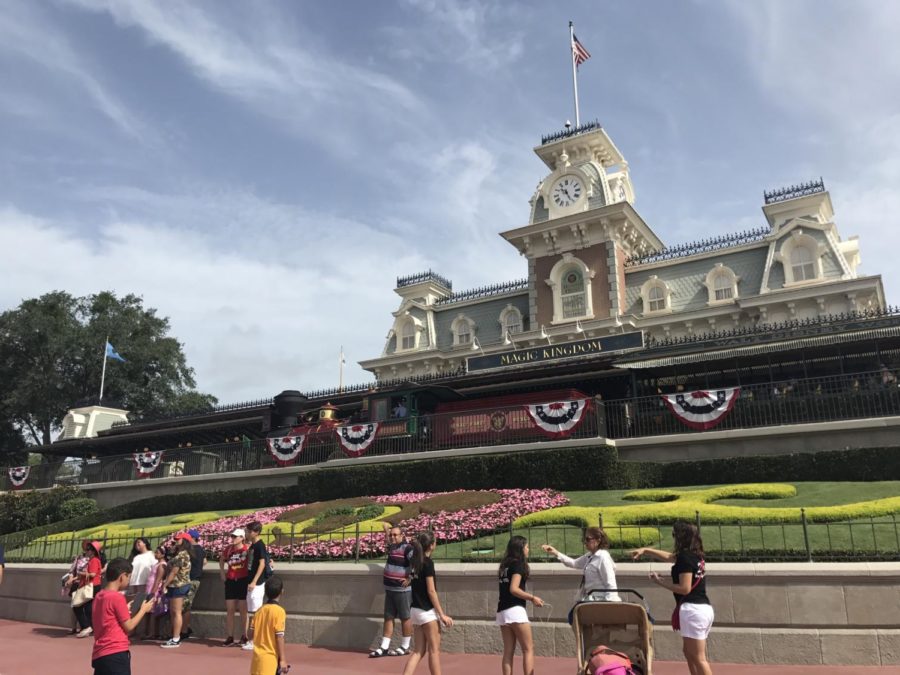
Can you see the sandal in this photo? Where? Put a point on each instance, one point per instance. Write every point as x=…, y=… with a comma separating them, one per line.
x=399, y=651
x=377, y=653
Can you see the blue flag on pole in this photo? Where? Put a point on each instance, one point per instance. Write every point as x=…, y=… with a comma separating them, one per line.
x=112, y=354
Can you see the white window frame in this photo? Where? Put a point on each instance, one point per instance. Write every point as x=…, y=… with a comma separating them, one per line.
x=408, y=332
x=555, y=282
x=655, y=282
x=785, y=256
x=462, y=321
x=726, y=276
x=400, y=326
x=511, y=313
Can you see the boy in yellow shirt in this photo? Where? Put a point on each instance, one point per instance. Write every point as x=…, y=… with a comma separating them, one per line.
x=268, y=637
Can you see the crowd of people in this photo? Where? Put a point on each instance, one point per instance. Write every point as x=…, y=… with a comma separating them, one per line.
x=113, y=599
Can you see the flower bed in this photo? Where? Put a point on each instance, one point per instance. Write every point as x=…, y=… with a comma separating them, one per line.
x=447, y=525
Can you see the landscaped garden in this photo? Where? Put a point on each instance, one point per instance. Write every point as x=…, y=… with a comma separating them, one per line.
x=747, y=521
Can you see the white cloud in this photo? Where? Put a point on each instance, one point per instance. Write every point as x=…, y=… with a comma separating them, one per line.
x=28, y=34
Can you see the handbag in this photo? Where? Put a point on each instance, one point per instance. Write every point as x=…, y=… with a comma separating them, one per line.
x=676, y=613
x=83, y=595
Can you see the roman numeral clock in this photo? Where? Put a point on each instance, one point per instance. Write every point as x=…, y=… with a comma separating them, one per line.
x=567, y=191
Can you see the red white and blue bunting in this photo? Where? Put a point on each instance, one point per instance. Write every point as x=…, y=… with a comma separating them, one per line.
x=147, y=462
x=18, y=475
x=559, y=417
x=356, y=438
x=285, y=449
x=702, y=409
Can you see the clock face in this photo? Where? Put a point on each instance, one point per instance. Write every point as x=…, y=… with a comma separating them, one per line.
x=566, y=191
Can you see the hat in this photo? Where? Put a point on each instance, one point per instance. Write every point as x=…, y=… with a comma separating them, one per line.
x=184, y=535
x=239, y=532
x=195, y=534
x=96, y=545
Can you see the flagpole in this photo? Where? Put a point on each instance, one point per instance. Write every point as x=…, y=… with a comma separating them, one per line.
x=103, y=374
x=574, y=71
x=341, y=373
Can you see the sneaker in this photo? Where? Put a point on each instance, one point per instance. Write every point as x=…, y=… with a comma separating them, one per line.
x=247, y=646
x=171, y=644
x=244, y=640
x=228, y=641
x=185, y=636
x=86, y=632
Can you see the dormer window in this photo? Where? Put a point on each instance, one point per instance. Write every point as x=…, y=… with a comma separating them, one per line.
x=408, y=336
x=802, y=264
x=463, y=329
x=656, y=296
x=721, y=282
x=511, y=320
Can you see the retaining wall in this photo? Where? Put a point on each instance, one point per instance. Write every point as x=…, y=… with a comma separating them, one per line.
x=808, y=613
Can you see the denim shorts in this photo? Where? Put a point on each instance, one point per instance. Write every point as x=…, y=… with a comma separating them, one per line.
x=179, y=592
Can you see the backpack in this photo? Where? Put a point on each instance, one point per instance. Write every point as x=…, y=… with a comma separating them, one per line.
x=605, y=661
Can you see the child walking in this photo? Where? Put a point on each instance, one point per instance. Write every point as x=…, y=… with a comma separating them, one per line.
x=511, y=615
x=426, y=611
x=269, y=657
x=113, y=622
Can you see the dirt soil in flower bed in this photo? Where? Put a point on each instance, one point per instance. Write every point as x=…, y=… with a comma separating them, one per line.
x=308, y=511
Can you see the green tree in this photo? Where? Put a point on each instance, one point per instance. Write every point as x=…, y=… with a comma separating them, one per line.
x=51, y=357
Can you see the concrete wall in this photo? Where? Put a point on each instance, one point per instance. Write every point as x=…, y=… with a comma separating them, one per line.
x=816, y=613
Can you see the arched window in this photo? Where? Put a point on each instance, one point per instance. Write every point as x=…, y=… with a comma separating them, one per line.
x=721, y=282
x=657, y=298
x=463, y=329
x=572, y=294
x=802, y=264
x=723, y=288
x=511, y=320
x=408, y=336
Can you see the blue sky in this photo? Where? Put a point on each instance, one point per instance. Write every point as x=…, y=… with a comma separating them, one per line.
x=261, y=172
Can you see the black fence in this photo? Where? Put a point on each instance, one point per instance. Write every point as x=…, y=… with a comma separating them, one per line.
x=820, y=399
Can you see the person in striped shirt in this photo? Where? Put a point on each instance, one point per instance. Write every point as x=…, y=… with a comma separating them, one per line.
x=397, y=594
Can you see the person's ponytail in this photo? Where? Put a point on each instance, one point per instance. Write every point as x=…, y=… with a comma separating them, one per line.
x=418, y=557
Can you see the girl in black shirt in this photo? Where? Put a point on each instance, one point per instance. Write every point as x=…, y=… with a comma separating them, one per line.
x=427, y=614
x=693, y=614
x=511, y=615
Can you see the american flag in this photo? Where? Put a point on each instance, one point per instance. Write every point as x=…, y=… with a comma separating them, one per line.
x=579, y=53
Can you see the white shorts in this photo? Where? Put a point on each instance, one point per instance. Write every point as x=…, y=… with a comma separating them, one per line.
x=422, y=616
x=515, y=614
x=256, y=597
x=696, y=620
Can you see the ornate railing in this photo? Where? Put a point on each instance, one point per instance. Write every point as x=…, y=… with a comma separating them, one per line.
x=485, y=291
x=794, y=191
x=702, y=246
x=795, y=327
x=386, y=384
x=571, y=131
x=424, y=276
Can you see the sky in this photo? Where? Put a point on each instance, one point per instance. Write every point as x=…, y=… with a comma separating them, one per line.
x=262, y=172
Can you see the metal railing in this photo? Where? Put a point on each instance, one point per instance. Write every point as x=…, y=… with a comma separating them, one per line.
x=846, y=540
x=819, y=399
x=451, y=430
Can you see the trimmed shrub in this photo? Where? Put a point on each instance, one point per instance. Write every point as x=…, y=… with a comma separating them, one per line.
x=192, y=518
x=80, y=506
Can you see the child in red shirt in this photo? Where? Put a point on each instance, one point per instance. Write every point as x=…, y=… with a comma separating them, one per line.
x=113, y=622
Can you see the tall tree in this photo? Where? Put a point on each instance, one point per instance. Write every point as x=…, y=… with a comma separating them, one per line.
x=51, y=357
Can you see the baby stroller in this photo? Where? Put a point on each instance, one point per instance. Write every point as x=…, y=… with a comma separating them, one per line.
x=625, y=627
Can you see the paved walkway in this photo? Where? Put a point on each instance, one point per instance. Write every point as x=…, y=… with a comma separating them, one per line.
x=29, y=649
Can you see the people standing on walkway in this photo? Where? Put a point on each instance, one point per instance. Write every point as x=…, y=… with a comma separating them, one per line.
x=198, y=560
x=142, y=561
x=113, y=622
x=269, y=655
x=598, y=568
x=426, y=612
x=693, y=614
x=178, y=585
x=511, y=615
x=88, y=585
x=155, y=590
x=234, y=557
x=70, y=579
x=260, y=571
x=397, y=593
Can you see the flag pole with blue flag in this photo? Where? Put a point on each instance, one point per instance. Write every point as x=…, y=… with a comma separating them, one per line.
x=109, y=352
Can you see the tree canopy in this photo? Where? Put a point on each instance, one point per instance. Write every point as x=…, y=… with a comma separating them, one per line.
x=51, y=357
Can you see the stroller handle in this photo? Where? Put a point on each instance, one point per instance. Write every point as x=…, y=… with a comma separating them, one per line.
x=614, y=590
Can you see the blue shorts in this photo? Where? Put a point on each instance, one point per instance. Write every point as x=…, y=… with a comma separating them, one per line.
x=179, y=592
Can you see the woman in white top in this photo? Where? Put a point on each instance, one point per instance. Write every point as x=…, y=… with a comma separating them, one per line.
x=142, y=559
x=599, y=570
